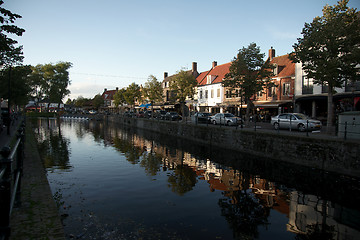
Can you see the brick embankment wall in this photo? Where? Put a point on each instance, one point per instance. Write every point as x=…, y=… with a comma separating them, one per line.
x=329, y=154
x=37, y=217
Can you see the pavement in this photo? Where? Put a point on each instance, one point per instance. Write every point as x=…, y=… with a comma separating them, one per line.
x=37, y=217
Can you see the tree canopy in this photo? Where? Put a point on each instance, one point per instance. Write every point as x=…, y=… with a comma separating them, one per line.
x=119, y=97
x=19, y=84
x=330, y=49
x=132, y=94
x=153, y=90
x=248, y=72
x=10, y=53
x=183, y=85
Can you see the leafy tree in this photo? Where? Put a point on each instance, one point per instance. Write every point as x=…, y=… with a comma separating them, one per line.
x=19, y=84
x=9, y=52
x=153, y=91
x=183, y=86
x=38, y=83
x=119, y=97
x=69, y=101
x=51, y=81
x=132, y=94
x=329, y=49
x=250, y=73
x=97, y=101
x=58, y=77
x=80, y=101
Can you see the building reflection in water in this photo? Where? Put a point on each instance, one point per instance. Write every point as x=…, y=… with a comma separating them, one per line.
x=247, y=198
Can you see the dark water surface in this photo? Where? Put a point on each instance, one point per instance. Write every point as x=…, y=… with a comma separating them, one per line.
x=112, y=182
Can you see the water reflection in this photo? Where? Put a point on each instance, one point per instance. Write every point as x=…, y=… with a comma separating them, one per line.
x=253, y=193
x=53, y=146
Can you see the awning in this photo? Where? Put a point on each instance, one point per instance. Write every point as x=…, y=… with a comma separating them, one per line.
x=271, y=104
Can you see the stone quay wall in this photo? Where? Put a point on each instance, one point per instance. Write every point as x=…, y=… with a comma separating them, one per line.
x=322, y=152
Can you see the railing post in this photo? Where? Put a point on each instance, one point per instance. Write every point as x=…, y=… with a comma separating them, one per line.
x=20, y=163
x=278, y=130
x=307, y=128
x=345, y=131
x=290, y=125
x=255, y=124
x=5, y=192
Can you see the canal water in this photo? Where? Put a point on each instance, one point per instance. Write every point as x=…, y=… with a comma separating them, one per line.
x=113, y=182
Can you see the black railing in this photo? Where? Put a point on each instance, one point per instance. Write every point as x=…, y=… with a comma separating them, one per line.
x=11, y=167
x=349, y=130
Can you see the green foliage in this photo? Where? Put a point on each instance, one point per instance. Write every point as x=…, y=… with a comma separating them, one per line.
x=132, y=94
x=153, y=90
x=81, y=101
x=183, y=85
x=19, y=84
x=248, y=71
x=10, y=54
x=97, y=101
x=50, y=81
x=119, y=97
x=329, y=49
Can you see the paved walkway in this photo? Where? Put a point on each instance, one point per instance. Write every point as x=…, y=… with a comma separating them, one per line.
x=37, y=217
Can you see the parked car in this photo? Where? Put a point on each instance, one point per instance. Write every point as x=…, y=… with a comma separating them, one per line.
x=172, y=116
x=147, y=114
x=92, y=112
x=202, y=117
x=140, y=114
x=226, y=119
x=297, y=121
x=160, y=114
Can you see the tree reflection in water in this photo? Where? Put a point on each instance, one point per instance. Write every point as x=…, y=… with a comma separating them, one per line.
x=53, y=147
x=243, y=211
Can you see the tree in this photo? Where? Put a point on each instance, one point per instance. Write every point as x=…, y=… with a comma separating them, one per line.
x=9, y=52
x=97, y=101
x=37, y=83
x=19, y=84
x=250, y=73
x=51, y=81
x=119, y=97
x=132, y=94
x=183, y=86
x=153, y=91
x=329, y=49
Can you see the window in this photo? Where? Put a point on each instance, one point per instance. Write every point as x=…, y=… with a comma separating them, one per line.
x=212, y=93
x=307, y=85
x=206, y=93
x=218, y=93
x=201, y=94
x=237, y=93
x=286, y=89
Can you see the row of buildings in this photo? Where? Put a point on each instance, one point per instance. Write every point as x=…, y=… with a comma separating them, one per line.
x=292, y=92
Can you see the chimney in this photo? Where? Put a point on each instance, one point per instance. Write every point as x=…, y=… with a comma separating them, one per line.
x=214, y=64
x=105, y=89
x=194, y=67
x=117, y=89
x=165, y=75
x=271, y=53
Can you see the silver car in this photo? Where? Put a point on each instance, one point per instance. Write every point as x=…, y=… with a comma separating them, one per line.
x=225, y=119
x=297, y=121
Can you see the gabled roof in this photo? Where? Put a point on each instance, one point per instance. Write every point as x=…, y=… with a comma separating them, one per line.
x=287, y=67
x=108, y=95
x=217, y=72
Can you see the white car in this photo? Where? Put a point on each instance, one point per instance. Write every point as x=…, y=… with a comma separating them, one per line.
x=225, y=119
x=297, y=121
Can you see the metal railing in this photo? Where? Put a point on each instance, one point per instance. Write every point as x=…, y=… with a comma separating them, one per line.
x=349, y=130
x=11, y=170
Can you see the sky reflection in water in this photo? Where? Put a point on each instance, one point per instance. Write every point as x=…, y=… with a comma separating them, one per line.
x=112, y=183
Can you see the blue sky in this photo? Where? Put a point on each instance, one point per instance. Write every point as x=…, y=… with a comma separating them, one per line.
x=113, y=43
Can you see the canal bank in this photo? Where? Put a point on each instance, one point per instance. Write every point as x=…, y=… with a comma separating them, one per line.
x=323, y=152
x=37, y=217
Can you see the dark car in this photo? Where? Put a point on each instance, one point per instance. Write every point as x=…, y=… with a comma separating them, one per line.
x=160, y=114
x=172, y=116
x=202, y=117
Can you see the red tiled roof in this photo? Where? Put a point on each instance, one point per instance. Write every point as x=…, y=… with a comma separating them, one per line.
x=108, y=95
x=284, y=61
x=219, y=72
